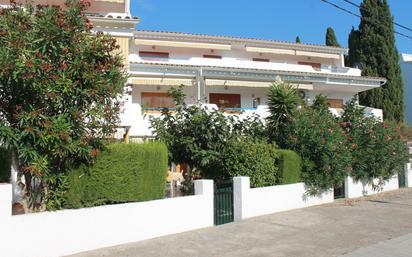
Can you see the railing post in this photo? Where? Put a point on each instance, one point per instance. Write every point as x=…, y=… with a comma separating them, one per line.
x=204, y=187
x=241, y=187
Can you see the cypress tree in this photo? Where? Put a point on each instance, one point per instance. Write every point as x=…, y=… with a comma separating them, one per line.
x=298, y=40
x=352, y=59
x=331, y=38
x=377, y=55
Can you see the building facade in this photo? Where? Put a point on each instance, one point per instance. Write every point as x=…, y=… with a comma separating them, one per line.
x=232, y=73
x=228, y=72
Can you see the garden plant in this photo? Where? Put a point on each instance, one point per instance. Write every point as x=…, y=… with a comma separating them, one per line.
x=60, y=87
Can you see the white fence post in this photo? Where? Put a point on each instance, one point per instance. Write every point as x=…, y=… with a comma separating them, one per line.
x=354, y=189
x=241, y=187
x=408, y=174
x=5, y=202
x=204, y=187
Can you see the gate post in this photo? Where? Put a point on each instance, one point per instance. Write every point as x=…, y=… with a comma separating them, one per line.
x=241, y=186
x=408, y=174
x=204, y=187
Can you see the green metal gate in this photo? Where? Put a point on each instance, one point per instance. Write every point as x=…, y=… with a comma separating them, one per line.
x=402, y=179
x=223, y=202
x=339, y=190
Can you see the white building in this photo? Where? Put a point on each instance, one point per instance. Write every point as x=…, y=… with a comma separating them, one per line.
x=406, y=65
x=218, y=69
x=232, y=70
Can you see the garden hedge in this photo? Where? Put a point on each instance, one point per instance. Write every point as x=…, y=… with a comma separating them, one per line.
x=290, y=167
x=122, y=173
x=5, y=165
x=253, y=158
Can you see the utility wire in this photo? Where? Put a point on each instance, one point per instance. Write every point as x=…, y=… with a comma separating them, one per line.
x=360, y=7
x=357, y=15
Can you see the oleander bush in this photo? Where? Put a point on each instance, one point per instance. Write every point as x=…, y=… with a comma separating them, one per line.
x=122, y=173
x=60, y=92
x=290, y=167
x=318, y=139
x=5, y=165
x=378, y=148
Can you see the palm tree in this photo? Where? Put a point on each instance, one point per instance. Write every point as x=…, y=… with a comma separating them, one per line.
x=283, y=100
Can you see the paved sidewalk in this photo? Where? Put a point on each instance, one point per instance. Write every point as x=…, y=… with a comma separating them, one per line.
x=398, y=247
x=322, y=231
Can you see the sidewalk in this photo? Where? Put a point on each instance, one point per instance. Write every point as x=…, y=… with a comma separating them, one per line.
x=322, y=231
x=398, y=247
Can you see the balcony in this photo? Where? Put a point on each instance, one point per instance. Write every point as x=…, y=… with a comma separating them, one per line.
x=239, y=62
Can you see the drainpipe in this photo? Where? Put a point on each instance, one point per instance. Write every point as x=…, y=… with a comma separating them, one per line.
x=199, y=84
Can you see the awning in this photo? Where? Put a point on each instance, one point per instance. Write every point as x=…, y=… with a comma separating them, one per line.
x=320, y=55
x=338, y=81
x=182, y=44
x=240, y=83
x=147, y=81
x=291, y=52
x=270, y=50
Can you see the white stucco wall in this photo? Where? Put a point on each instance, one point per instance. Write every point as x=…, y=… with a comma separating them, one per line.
x=354, y=189
x=252, y=202
x=71, y=231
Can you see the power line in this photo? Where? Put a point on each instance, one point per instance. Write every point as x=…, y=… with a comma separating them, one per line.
x=360, y=7
x=357, y=15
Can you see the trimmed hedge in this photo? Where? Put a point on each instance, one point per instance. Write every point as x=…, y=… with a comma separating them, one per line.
x=290, y=167
x=255, y=159
x=122, y=173
x=5, y=165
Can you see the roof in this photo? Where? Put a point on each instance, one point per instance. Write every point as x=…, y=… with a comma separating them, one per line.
x=166, y=35
x=112, y=16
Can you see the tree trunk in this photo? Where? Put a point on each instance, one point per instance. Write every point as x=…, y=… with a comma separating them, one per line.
x=16, y=180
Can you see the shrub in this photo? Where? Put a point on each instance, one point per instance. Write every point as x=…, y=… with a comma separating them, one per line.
x=378, y=150
x=5, y=165
x=60, y=91
x=256, y=159
x=318, y=139
x=196, y=136
x=122, y=173
x=290, y=167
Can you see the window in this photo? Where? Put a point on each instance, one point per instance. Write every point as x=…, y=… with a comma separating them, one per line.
x=314, y=65
x=260, y=60
x=154, y=101
x=212, y=56
x=225, y=100
x=335, y=103
x=149, y=56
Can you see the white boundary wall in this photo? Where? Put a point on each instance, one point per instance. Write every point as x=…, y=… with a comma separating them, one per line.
x=71, y=231
x=251, y=202
x=354, y=189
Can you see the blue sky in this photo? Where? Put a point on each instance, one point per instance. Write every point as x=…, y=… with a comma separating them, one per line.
x=265, y=19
